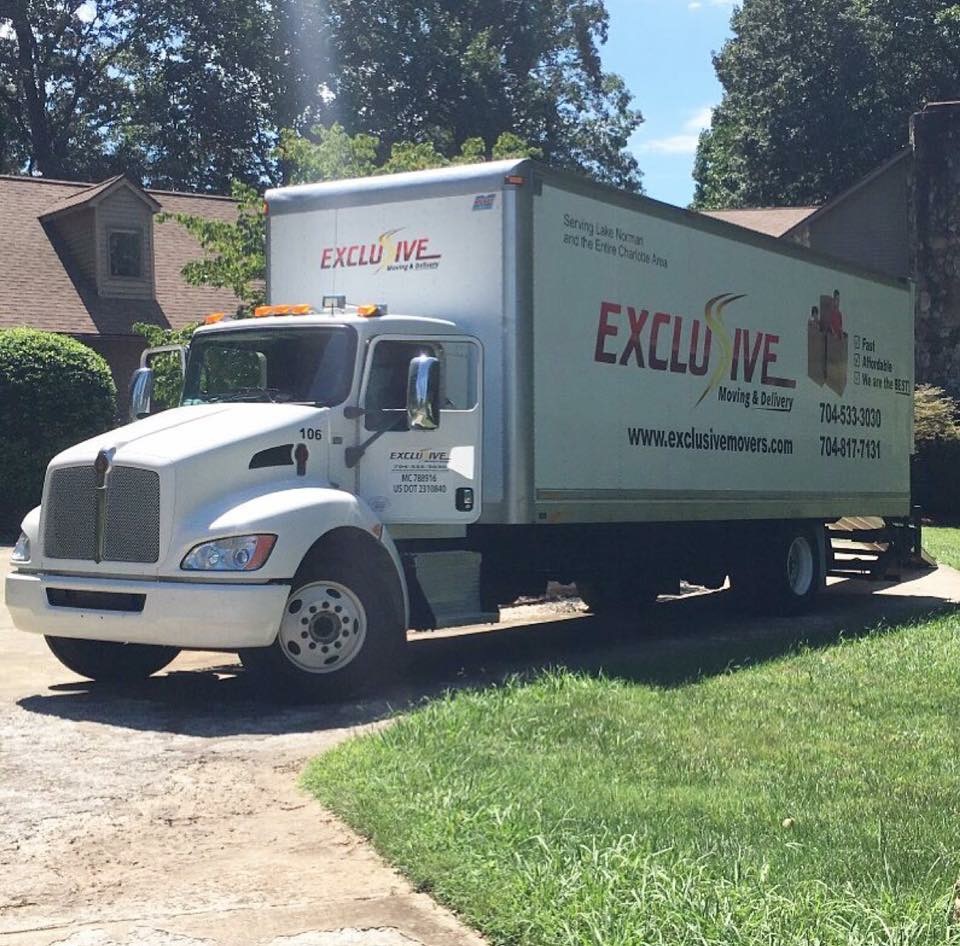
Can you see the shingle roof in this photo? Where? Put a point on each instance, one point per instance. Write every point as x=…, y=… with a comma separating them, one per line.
x=773, y=221
x=91, y=195
x=41, y=288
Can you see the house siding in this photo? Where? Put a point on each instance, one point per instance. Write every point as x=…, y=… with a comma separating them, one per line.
x=122, y=210
x=868, y=227
x=78, y=236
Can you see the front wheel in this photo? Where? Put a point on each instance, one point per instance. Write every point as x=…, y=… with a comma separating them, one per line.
x=110, y=662
x=339, y=635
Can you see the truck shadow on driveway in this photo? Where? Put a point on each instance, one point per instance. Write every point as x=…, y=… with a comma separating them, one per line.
x=672, y=644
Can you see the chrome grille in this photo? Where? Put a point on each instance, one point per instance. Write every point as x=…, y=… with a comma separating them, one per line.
x=132, y=531
x=131, y=523
x=70, y=517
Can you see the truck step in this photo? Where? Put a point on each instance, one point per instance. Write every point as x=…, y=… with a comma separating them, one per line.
x=449, y=583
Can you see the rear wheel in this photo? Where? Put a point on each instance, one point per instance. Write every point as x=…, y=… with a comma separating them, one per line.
x=110, y=662
x=340, y=634
x=785, y=571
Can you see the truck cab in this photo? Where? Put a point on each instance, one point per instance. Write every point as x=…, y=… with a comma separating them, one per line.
x=258, y=516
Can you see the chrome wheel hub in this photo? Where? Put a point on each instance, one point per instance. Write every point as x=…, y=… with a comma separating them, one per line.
x=324, y=626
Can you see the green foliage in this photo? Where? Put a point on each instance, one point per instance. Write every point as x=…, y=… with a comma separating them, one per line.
x=235, y=252
x=329, y=154
x=937, y=436
x=574, y=810
x=191, y=94
x=817, y=95
x=167, y=375
x=62, y=88
x=445, y=73
x=934, y=415
x=184, y=93
x=54, y=392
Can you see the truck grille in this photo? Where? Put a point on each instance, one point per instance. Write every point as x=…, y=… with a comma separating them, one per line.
x=131, y=523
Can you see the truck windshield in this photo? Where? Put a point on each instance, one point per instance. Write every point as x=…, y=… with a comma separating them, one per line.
x=307, y=365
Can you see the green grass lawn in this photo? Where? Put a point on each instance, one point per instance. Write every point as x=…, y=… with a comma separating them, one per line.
x=581, y=810
x=943, y=543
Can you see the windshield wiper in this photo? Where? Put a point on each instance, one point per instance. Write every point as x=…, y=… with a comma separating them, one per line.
x=250, y=394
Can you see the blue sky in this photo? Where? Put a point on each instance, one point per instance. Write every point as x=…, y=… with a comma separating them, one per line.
x=662, y=49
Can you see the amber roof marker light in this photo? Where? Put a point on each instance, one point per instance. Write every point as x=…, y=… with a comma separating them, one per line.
x=303, y=308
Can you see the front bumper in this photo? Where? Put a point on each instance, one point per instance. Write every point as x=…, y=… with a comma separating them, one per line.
x=202, y=615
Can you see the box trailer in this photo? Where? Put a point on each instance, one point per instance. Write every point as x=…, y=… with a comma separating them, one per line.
x=470, y=381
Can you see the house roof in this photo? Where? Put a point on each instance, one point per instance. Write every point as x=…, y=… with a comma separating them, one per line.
x=42, y=288
x=92, y=195
x=901, y=156
x=773, y=221
x=785, y=221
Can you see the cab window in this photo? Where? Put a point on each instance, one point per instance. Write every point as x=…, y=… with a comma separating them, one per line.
x=386, y=391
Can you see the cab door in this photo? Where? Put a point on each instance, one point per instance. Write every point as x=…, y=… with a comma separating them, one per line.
x=422, y=476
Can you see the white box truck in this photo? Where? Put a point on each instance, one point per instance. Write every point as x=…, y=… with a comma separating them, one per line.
x=483, y=377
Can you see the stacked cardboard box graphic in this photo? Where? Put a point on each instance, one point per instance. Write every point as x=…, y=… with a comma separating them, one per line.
x=827, y=345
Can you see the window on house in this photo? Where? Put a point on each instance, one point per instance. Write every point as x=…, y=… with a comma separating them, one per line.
x=126, y=253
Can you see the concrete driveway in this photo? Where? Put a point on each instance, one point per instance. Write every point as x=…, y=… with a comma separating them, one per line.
x=169, y=815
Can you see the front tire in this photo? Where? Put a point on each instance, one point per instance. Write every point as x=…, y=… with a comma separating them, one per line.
x=110, y=662
x=340, y=634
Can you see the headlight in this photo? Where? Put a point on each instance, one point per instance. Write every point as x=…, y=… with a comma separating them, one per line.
x=21, y=551
x=242, y=553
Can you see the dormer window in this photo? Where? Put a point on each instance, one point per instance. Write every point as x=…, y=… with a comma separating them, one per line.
x=126, y=253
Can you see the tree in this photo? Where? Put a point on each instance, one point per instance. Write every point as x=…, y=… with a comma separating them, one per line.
x=183, y=93
x=234, y=251
x=192, y=94
x=61, y=80
x=330, y=154
x=426, y=71
x=934, y=415
x=819, y=92
x=211, y=98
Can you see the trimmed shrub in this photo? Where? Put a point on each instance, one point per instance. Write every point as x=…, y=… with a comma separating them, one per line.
x=936, y=464
x=54, y=392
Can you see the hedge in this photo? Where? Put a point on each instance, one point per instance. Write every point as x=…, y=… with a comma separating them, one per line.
x=54, y=392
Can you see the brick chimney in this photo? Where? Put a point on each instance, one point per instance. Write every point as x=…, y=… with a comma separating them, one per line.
x=935, y=239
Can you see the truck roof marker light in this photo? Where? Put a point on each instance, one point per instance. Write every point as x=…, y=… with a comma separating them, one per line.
x=518, y=180
x=214, y=317
x=371, y=311
x=261, y=311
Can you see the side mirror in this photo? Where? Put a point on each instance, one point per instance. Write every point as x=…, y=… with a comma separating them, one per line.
x=423, y=393
x=141, y=392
